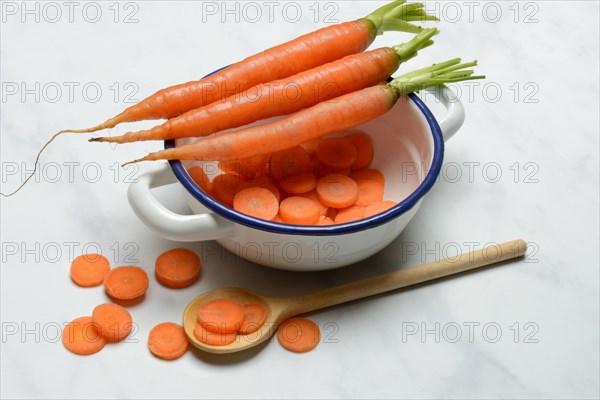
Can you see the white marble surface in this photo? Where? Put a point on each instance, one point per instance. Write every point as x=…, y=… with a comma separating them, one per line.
x=551, y=299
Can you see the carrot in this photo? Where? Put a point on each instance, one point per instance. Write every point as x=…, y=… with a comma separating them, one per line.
x=262, y=182
x=365, y=150
x=255, y=315
x=168, y=341
x=89, y=270
x=311, y=145
x=324, y=170
x=299, y=183
x=292, y=161
x=82, y=336
x=285, y=96
x=303, y=53
x=323, y=220
x=224, y=188
x=177, y=268
x=221, y=315
x=256, y=202
x=248, y=168
x=337, y=191
x=369, y=192
x=126, y=283
x=213, y=338
x=200, y=178
x=298, y=335
x=378, y=207
x=345, y=112
x=332, y=213
x=349, y=214
x=114, y=322
x=372, y=174
x=299, y=211
x=337, y=153
x=323, y=209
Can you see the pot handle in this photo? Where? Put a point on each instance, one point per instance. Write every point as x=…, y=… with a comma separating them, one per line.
x=166, y=223
x=455, y=112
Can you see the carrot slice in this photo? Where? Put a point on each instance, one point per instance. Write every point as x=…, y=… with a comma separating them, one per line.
x=126, y=283
x=299, y=210
x=213, y=338
x=177, y=268
x=89, y=270
x=299, y=183
x=365, y=150
x=113, y=321
x=323, y=220
x=82, y=336
x=298, y=335
x=337, y=152
x=378, y=207
x=313, y=196
x=277, y=219
x=289, y=162
x=369, y=192
x=247, y=168
x=331, y=213
x=200, y=178
x=255, y=315
x=324, y=170
x=311, y=145
x=168, y=341
x=224, y=188
x=256, y=202
x=373, y=174
x=353, y=213
x=221, y=315
x=337, y=191
x=263, y=182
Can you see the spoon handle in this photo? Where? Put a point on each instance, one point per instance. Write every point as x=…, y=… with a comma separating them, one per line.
x=406, y=277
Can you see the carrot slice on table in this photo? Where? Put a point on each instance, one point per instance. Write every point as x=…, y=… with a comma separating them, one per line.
x=352, y=213
x=365, y=150
x=299, y=210
x=168, y=341
x=225, y=186
x=82, y=336
x=177, y=268
x=89, y=270
x=369, y=192
x=298, y=335
x=299, y=183
x=337, y=153
x=200, y=178
x=114, y=322
x=126, y=283
x=378, y=207
x=337, y=191
x=289, y=162
x=213, y=338
x=372, y=174
x=313, y=196
x=256, y=202
x=255, y=316
x=221, y=315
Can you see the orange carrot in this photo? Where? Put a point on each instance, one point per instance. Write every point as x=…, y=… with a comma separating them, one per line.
x=126, y=283
x=323, y=220
x=177, y=268
x=113, y=321
x=311, y=145
x=378, y=207
x=324, y=170
x=82, y=336
x=221, y=315
x=168, y=341
x=369, y=192
x=337, y=191
x=337, y=153
x=224, y=188
x=248, y=168
x=298, y=335
x=323, y=209
x=299, y=183
x=299, y=211
x=213, y=338
x=256, y=202
x=365, y=150
x=292, y=161
x=345, y=112
x=372, y=174
x=285, y=96
x=255, y=315
x=200, y=178
x=332, y=213
x=262, y=182
x=349, y=214
x=89, y=269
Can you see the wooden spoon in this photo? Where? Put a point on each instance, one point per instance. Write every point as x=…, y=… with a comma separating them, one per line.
x=281, y=308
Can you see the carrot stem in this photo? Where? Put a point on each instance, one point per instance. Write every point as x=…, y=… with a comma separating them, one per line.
x=395, y=17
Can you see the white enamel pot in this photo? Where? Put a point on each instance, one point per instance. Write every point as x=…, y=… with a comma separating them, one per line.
x=409, y=150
